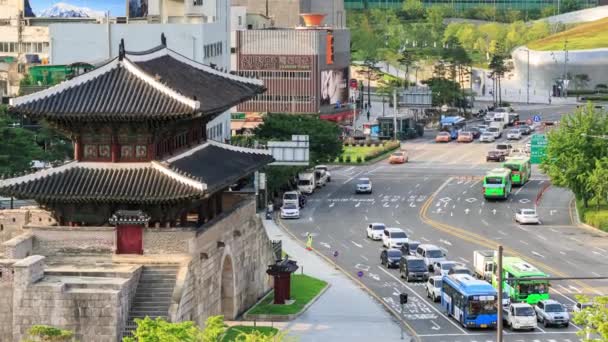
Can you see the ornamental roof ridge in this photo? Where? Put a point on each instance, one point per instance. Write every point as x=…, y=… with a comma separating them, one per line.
x=76, y=81
x=137, y=71
x=240, y=148
x=188, y=152
x=180, y=177
x=36, y=175
x=164, y=51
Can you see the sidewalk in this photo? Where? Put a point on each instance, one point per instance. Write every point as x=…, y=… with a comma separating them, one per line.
x=345, y=312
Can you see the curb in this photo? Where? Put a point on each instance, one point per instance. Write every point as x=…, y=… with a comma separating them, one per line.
x=283, y=318
x=413, y=333
x=540, y=194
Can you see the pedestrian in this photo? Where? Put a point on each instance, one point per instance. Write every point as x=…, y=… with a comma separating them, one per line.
x=549, y=99
x=308, y=241
x=368, y=115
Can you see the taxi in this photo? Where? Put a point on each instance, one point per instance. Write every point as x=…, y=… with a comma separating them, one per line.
x=398, y=157
x=443, y=137
x=465, y=136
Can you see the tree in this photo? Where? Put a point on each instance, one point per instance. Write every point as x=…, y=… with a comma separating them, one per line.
x=572, y=151
x=539, y=29
x=444, y=91
x=498, y=67
x=593, y=320
x=598, y=181
x=159, y=330
x=570, y=6
x=324, y=136
x=548, y=11
x=45, y=333
x=18, y=147
x=413, y=9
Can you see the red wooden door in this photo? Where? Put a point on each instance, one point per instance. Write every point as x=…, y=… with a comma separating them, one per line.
x=129, y=239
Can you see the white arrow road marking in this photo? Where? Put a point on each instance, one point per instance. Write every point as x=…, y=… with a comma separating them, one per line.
x=424, y=239
x=575, y=289
x=445, y=242
x=357, y=244
x=374, y=276
x=494, y=211
x=552, y=211
x=357, y=205
x=596, y=253
x=451, y=213
x=397, y=222
x=562, y=252
x=332, y=204
x=445, y=199
x=538, y=254
x=524, y=201
x=412, y=205
x=479, y=212
x=524, y=242
x=325, y=244
x=362, y=267
x=437, y=204
x=435, y=326
x=471, y=200
x=385, y=204
x=466, y=211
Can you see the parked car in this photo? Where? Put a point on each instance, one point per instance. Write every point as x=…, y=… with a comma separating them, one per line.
x=393, y=237
x=430, y=254
x=514, y=134
x=364, y=185
x=551, y=312
x=496, y=156
x=433, y=288
x=578, y=307
x=443, y=137
x=290, y=210
x=324, y=168
x=390, y=257
x=375, y=230
x=413, y=268
x=524, y=216
x=409, y=247
x=487, y=137
x=465, y=136
x=399, y=157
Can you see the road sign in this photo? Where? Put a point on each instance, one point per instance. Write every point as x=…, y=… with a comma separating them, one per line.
x=528, y=122
x=538, y=146
x=537, y=118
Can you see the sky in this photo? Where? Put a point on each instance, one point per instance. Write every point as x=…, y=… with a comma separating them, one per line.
x=116, y=7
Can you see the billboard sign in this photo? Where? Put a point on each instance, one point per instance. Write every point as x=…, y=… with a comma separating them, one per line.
x=334, y=86
x=74, y=8
x=275, y=62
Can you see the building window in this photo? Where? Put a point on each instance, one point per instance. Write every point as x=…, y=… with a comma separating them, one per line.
x=198, y=2
x=141, y=151
x=240, y=20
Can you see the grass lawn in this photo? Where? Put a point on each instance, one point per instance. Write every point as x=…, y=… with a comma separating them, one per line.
x=233, y=332
x=594, y=216
x=303, y=290
x=592, y=35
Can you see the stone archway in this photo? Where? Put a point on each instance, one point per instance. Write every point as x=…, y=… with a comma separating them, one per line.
x=227, y=289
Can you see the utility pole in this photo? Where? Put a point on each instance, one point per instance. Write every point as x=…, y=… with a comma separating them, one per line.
x=528, y=79
x=395, y=114
x=499, y=325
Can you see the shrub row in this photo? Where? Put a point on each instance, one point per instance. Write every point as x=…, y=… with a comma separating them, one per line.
x=597, y=219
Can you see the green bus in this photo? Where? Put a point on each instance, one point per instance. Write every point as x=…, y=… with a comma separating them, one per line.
x=497, y=183
x=520, y=289
x=521, y=169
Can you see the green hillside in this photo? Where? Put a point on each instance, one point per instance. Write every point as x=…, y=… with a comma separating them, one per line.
x=592, y=35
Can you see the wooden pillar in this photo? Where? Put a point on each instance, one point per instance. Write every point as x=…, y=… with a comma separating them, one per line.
x=78, y=149
x=115, y=149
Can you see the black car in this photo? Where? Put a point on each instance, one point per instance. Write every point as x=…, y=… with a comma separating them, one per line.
x=525, y=129
x=409, y=248
x=476, y=132
x=413, y=268
x=390, y=257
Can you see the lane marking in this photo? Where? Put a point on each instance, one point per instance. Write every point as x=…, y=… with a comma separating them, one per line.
x=424, y=239
x=397, y=222
x=538, y=254
x=445, y=242
x=463, y=259
x=524, y=242
x=357, y=205
x=502, y=233
x=484, y=221
x=364, y=258
x=423, y=300
x=357, y=244
x=541, y=237
x=332, y=204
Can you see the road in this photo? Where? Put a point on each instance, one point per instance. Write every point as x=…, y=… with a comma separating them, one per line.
x=436, y=198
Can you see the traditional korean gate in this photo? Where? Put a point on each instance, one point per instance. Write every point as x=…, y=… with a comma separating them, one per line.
x=129, y=231
x=129, y=239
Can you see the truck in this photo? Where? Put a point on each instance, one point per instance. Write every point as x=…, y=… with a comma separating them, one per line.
x=307, y=182
x=483, y=264
x=320, y=177
x=501, y=117
x=496, y=127
x=519, y=316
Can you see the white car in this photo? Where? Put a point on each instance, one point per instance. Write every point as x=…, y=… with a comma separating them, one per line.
x=433, y=288
x=375, y=230
x=487, y=137
x=394, y=238
x=364, y=185
x=442, y=268
x=578, y=307
x=431, y=255
x=324, y=168
x=290, y=210
x=526, y=216
x=528, y=148
x=514, y=134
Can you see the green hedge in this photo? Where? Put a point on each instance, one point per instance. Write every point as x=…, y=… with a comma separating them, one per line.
x=587, y=92
x=595, y=98
x=594, y=216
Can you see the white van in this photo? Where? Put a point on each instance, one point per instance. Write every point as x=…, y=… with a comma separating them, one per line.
x=431, y=255
x=291, y=197
x=306, y=182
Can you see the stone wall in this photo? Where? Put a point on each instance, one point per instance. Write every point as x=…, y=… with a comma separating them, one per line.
x=18, y=247
x=94, y=309
x=13, y=220
x=6, y=300
x=167, y=240
x=236, y=238
x=60, y=240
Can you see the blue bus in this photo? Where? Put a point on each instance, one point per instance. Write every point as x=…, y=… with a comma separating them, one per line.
x=452, y=125
x=472, y=302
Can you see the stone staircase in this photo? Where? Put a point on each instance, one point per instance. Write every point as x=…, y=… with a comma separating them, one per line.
x=152, y=296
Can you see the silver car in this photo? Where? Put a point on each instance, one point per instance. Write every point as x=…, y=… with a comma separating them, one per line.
x=551, y=312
